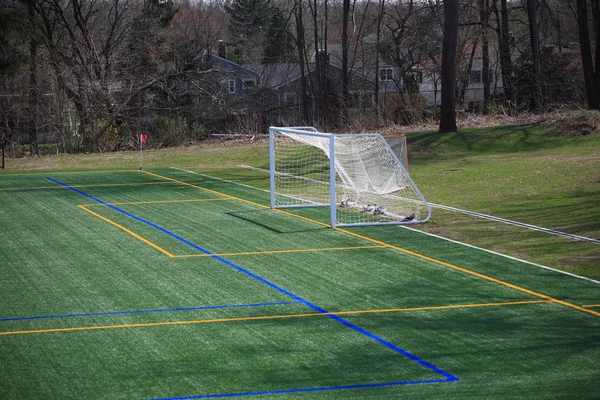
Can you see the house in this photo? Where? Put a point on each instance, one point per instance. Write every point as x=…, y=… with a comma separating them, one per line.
x=274, y=90
x=469, y=85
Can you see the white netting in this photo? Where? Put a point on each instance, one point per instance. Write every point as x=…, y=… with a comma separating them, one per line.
x=399, y=146
x=371, y=185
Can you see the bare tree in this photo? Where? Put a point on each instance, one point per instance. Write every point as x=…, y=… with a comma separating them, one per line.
x=380, y=15
x=345, y=49
x=448, y=71
x=34, y=90
x=484, y=13
x=100, y=59
x=535, y=54
x=590, y=65
x=303, y=110
x=502, y=33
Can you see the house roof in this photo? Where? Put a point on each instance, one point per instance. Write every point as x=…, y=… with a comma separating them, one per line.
x=274, y=76
x=232, y=65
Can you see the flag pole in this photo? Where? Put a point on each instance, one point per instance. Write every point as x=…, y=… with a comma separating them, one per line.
x=141, y=145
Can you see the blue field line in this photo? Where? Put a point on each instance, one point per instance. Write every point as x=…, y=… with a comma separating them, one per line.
x=448, y=376
x=302, y=390
x=158, y=310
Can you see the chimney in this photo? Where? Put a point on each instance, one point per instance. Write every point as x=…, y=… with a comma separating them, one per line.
x=222, y=49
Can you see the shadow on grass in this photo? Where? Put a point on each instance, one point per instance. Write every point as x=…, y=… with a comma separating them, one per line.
x=579, y=214
x=427, y=146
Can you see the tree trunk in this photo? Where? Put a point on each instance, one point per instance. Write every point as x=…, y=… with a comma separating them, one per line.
x=589, y=75
x=485, y=54
x=466, y=78
x=536, y=103
x=302, y=109
x=376, y=88
x=448, y=71
x=345, y=85
x=34, y=92
x=504, y=49
x=318, y=63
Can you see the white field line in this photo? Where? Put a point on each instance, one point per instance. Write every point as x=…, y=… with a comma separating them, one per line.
x=491, y=218
x=503, y=255
x=517, y=223
x=425, y=233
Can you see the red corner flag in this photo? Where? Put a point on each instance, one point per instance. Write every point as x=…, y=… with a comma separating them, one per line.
x=143, y=138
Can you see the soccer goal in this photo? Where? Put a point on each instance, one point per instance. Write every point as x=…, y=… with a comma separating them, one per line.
x=357, y=176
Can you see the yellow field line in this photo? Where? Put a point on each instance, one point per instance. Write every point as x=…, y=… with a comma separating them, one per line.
x=42, y=175
x=32, y=188
x=135, y=235
x=152, y=202
x=121, y=184
x=248, y=253
x=265, y=317
x=402, y=250
x=207, y=190
x=477, y=274
x=591, y=305
x=88, y=185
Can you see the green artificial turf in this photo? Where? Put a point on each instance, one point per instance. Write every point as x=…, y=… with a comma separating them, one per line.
x=123, y=319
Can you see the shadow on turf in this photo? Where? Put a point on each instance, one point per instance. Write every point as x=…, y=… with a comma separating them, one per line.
x=255, y=218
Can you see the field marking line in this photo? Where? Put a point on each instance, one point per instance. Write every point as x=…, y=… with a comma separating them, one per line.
x=419, y=231
x=246, y=253
x=86, y=185
x=423, y=257
x=307, y=390
x=153, y=202
x=135, y=235
x=159, y=310
x=42, y=175
x=30, y=188
x=591, y=305
x=270, y=317
x=503, y=255
x=119, y=184
x=516, y=223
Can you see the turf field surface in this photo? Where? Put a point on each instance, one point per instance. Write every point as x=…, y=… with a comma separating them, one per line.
x=166, y=284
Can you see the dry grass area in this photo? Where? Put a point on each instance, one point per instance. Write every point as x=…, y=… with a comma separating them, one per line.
x=572, y=122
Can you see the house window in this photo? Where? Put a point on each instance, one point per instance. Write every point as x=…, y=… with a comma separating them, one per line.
x=476, y=76
x=248, y=84
x=386, y=74
x=231, y=86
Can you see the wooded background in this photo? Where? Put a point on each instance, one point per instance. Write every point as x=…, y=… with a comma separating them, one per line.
x=90, y=75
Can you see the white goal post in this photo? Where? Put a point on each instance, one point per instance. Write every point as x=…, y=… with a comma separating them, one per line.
x=357, y=176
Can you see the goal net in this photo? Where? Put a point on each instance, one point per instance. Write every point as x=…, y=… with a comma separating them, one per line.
x=397, y=143
x=357, y=176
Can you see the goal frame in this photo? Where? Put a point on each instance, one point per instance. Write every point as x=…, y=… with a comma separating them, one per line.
x=311, y=131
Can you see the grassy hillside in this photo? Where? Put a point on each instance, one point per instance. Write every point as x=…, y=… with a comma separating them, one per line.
x=537, y=174
x=528, y=174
